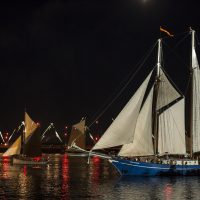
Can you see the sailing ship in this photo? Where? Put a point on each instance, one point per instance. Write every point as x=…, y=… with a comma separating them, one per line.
x=151, y=127
x=27, y=147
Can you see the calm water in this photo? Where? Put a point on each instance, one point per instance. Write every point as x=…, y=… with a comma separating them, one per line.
x=70, y=177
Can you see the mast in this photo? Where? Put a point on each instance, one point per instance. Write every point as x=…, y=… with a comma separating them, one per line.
x=191, y=93
x=23, y=135
x=159, y=59
x=155, y=113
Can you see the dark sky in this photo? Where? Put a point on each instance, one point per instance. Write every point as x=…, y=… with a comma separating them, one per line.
x=63, y=60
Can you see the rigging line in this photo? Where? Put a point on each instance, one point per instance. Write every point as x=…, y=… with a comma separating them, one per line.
x=178, y=43
x=187, y=87
x=174, y=52
x=140, y=64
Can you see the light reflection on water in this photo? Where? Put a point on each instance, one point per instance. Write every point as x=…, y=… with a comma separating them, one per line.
x=70, y=177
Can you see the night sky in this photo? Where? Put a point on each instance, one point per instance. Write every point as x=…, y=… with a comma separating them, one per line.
x=62, y=60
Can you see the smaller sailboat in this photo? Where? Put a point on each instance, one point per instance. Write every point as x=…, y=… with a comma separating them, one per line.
x=151, y=130
x=26, y=149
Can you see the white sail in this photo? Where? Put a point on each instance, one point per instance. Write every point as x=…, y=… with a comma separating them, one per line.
x=166, y=92
x=121, y=131
x=195, y=63
x=196, y=103
x=142, y=144
x=171, y=131
x=14, y=149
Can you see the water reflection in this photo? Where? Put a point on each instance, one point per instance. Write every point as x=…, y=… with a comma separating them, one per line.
x=23, y=183
x=3, y=177
x=168, y=190
x=95, y=170
x=5, y=167
x=158, y=187
x=69, y=177
x=65, y=177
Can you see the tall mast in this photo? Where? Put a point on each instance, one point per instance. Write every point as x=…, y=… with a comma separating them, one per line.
x=23, y=133
x=155, y=114
x=159, y=58
x=191, y=94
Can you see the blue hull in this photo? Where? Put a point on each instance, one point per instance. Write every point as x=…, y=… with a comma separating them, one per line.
x=134, y=168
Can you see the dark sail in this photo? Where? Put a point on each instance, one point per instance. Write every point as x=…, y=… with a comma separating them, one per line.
x=77, y=135
x=32, y=145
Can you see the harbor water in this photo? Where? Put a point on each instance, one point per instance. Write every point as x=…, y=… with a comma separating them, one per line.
x=70, y=177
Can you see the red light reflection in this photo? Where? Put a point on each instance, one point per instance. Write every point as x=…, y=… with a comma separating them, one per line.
x=25, y=170
x=5, y=167
x=95, y=169
x=65, y=177
x=168, y=190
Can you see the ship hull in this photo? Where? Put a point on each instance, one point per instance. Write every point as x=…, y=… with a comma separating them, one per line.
x=134, y=168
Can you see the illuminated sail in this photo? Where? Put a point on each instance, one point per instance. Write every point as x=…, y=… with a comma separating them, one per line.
x=142, y=144
x=121, y=131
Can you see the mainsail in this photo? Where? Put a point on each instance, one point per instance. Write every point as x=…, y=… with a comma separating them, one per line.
x=77, y=135
x=32, y=142
x=121, y=131
x=171, y=131
x=171, y=120
x=195, y=118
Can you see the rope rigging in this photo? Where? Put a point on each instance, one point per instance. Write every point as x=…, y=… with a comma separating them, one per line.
x=140, y=64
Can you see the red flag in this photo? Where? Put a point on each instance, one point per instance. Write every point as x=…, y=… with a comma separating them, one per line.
x=168, y=33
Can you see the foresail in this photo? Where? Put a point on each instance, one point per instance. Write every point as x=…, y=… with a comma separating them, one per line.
x=142, y=144
x=171, y=131
x=121, y=131
x=196, y=107
x=15, y=148
x=166, y=92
